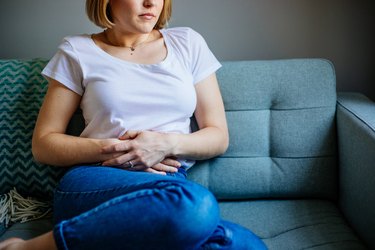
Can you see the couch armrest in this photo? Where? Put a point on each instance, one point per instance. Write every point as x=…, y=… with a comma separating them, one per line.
x=356, y=145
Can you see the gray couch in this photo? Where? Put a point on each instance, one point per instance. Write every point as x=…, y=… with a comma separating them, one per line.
x=299, y=171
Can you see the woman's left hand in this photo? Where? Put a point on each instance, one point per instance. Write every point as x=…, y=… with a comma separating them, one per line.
x=168, y=165
x=142, y=148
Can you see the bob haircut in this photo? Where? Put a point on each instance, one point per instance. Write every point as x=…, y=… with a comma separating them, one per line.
x=99, y=13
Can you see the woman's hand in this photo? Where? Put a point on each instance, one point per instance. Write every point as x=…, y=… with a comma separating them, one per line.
x=143, y=151
x=168, y=165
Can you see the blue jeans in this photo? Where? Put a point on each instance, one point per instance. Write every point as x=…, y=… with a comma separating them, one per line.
x=108, y=208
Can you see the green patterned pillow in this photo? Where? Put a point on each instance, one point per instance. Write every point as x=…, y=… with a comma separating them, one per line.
x=22, y=89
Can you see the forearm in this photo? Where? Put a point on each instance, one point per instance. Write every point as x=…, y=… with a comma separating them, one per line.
x=65, y=150
x=202, y=144
x=212, y=137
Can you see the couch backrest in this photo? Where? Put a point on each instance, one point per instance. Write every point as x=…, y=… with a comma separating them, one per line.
x=22, y=89
x=281, y=118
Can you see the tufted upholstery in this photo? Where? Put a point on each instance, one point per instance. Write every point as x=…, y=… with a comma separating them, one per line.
x=286, y=175
x=281, y=118
x=279, y=176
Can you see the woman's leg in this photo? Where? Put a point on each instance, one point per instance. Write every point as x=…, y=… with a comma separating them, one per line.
x=88, y=187
x=117, y=209
x=230, y=236
x=42, y=242
x=226, y=235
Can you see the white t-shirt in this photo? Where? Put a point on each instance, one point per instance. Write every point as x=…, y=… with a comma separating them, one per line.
x=118, y=95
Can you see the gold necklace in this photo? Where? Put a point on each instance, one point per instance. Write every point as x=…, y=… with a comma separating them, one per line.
x=132, y=47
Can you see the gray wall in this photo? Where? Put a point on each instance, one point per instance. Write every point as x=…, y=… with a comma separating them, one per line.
x=339, y=30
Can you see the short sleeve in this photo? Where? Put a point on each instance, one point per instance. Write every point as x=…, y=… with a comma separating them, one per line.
x=203, y=62
x=64, y=67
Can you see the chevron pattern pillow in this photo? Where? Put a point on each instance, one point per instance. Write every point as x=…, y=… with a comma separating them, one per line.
x=22, y=89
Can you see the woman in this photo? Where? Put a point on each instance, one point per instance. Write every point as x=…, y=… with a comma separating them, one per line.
x=137, y=85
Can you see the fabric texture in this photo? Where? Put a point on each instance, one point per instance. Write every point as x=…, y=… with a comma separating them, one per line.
x=15, y=208
x=281, y=119
x=22, y=89
x=278, y=178
x=96, y=206
x=118, y=95
x=356, y=130
x=28, y=230
x=294, y=224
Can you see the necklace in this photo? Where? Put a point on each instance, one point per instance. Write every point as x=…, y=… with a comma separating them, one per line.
x=132, y=47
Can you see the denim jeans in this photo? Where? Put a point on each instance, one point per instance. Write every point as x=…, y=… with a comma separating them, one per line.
x=99, y=207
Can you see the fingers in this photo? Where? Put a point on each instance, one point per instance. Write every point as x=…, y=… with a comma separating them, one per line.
x=130, y=166
x=171, y=162
x=130, y=134
x=159, y=168
x=150, y=170
x=165, y=168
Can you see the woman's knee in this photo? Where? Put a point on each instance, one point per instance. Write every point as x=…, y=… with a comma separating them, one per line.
x=196, y=213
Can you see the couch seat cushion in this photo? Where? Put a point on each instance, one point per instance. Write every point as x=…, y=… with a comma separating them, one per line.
x=29, y=229
x=282, y=224
x=294, y=224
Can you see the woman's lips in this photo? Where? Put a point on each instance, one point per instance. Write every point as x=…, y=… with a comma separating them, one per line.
x=147, y=16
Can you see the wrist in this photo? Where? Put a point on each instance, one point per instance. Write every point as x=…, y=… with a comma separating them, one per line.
x=172, y=141
x=102, y=143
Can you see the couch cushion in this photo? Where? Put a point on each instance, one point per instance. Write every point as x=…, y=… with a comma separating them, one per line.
x=28, y=230
x=281, y=118
x=294, y=224
x=299, y=224
x=356, y=130
x=21, y=93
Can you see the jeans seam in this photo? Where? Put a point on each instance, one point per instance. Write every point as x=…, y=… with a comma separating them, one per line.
x=117, y=200
x=62, y=235
x=102, y=190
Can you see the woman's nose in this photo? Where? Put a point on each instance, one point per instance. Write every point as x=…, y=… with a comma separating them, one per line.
x=149, y=3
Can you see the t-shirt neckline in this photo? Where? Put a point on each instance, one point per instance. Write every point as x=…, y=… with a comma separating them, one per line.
x=122, y=61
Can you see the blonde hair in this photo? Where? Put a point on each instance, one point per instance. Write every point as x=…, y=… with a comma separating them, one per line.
x=99, y=12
